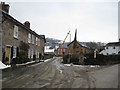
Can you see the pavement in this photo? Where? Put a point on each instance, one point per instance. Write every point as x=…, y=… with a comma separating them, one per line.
x=54, y=74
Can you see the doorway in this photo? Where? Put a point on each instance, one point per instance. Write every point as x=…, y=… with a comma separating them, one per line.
x=7, y=54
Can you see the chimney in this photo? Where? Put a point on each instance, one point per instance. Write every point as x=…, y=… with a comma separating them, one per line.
x=27, y=23
x=5, y=7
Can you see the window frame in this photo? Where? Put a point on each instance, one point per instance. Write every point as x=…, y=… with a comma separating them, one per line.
x=32, y=39
x=14, y=51
x=29, y=38
x=36, y=53
x=36, y=40
x=29, y=53
x=114, y=47
x=15, y=32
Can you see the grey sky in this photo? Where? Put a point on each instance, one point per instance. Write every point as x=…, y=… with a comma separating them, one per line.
x=95, y=21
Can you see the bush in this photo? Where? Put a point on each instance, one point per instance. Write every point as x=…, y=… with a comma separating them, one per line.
x=21, y=58
x=34, y=57
x=75, y=59
x=101, y=59
x=65, y=59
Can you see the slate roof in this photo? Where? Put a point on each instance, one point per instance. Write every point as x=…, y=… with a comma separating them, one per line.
x=6, y=15
x=82, y=45
x=113, y=44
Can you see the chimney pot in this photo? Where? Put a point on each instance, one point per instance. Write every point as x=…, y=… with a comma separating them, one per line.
x=27, y=23
x=5, y=7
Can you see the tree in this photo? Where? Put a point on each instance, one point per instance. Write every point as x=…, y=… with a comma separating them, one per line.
x=94, y=45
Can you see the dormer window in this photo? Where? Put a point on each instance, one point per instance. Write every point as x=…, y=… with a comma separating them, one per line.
x=15, y=31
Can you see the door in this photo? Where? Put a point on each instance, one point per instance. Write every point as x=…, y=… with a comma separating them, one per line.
x=7, y=55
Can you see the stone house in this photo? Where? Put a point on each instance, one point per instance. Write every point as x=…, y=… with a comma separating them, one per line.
x=14, y=33
x=72, y=47
x=76, y=47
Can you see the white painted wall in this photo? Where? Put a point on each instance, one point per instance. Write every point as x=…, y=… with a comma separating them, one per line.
x=110, y=50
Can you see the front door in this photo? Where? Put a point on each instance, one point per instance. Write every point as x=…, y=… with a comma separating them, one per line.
x=7, y=55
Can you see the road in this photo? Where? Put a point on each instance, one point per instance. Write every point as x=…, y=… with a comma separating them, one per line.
x=54, y=74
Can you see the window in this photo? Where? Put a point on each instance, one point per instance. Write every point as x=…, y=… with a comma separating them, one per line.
x=36, y=53
x=64, y=50
x=15, y=31
x=14, y=51
x=113, y=47
x=58, y=51
x=28, y=53
x=36, y=41
x=81, y=50
x=29, y=38
x=32, y=39
x=77, y=47
x=31, y=53
x=61, y=51
x=119, y=52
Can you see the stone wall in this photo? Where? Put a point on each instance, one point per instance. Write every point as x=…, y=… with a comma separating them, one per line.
x=8, y=36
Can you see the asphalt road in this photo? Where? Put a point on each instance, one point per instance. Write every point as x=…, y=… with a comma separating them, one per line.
x=105, y=78
x=53, y=74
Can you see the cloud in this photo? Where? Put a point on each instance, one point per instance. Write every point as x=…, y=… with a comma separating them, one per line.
x=94, y=21
x=60, y=0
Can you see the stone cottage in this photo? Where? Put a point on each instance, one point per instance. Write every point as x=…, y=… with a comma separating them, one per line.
x=14, y=35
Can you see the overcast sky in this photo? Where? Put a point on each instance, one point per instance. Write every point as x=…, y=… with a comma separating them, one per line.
x=95, y=20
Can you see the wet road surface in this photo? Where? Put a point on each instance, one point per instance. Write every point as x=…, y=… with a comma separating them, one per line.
x=53, y=74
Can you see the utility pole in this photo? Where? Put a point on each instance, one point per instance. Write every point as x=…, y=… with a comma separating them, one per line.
x=70, y=37
x=69, y=49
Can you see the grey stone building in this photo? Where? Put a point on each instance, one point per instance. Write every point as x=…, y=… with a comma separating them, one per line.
x=16, y=35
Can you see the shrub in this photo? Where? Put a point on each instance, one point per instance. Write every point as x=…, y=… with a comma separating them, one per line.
x=101, y=59
x=21, y=58
x=65, y=59
x=75, y=59
x=34, y=57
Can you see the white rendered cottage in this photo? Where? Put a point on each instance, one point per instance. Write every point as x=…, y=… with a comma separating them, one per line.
x=111, y=49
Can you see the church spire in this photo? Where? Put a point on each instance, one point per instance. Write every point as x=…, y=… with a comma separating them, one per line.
x=75, y=38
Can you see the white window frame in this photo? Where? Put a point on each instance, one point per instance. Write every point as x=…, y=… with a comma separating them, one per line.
x=36, y=41
x=61, y=51
x=14, y=51
x=15, y=31
x=29, y=53
x=29, y=38
x=58, y=51
x=36, y=53
x=64, y=50
x=32, y=39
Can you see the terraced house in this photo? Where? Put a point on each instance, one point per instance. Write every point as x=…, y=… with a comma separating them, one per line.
x=17, y=36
